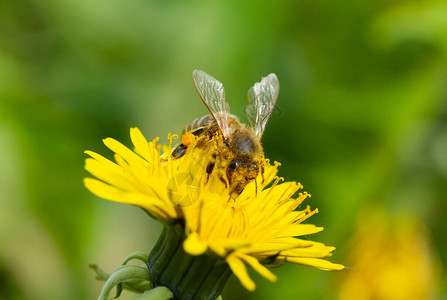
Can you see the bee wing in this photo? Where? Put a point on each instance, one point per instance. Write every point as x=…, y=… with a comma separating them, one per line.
x=261, y=102
x=213, y=96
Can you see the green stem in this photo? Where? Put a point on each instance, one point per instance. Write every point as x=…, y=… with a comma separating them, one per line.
x=201, y=277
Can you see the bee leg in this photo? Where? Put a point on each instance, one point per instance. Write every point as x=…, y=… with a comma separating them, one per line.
x=256, y=187
x=209, y=170
x=179, y=151
x=224, y=181
x=262, y=174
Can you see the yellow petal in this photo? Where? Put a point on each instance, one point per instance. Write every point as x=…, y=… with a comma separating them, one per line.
x=317, y=251
x=276, y=247
x=315, y=262
x=140, y=143
x=109, y=192
x=255, y=264
x=104, y=161
x=128, y=155
x=193, y=245
x=269, y=173
x=150, y=203
x=236, y=243
x=102, y=189
x=239, y=269
x=114, y=176
x=300, y=230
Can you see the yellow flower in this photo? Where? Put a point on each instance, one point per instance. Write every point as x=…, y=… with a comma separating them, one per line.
x=391, y=260
x=258, y=227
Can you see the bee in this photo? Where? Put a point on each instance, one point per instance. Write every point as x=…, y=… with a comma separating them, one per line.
x=239, y=155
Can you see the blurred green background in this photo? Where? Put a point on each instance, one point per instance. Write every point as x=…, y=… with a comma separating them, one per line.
x=361, y=120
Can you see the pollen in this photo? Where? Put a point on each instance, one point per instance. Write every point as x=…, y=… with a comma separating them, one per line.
x=188, y=138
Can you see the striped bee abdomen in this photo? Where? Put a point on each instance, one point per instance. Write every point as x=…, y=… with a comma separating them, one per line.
x=202, y=122
x=196, y=127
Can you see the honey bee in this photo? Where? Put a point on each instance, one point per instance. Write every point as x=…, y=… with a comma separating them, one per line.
x=239, y=150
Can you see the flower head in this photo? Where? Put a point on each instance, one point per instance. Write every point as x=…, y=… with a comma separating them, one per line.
x=391, y=258
x=258, y=227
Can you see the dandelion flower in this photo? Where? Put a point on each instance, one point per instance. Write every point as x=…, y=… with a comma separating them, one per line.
x=391, y=259
x=208, y=234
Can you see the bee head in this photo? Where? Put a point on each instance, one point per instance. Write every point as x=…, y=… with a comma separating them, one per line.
x=242, y=166
x=240, y=173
